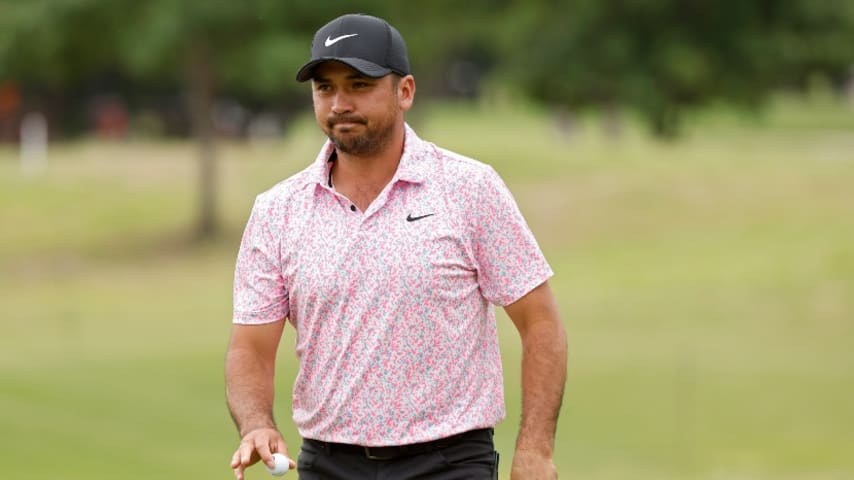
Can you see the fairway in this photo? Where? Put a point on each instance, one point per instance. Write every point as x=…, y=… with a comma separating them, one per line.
x=707, y=287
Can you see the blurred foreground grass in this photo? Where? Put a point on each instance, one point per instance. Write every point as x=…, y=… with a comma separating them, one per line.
x=707, y=286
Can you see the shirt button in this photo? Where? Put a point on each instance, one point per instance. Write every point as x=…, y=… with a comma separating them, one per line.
x=352, y=208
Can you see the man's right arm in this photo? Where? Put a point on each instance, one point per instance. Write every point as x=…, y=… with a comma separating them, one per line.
x=249, y=373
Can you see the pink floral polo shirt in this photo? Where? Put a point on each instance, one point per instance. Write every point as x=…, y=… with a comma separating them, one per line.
x=396, y=334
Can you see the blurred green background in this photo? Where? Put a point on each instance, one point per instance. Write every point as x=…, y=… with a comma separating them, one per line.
x=686, y=166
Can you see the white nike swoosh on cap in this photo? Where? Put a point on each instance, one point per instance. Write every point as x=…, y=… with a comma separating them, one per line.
x=332, y=41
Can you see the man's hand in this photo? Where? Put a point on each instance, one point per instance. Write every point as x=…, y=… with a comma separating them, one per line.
x=530, y=465
x=258, y=444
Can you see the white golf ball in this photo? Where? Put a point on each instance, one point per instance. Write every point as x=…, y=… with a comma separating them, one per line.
x=282, y=465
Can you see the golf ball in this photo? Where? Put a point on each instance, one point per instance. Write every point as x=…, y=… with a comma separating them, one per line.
x=283, y=464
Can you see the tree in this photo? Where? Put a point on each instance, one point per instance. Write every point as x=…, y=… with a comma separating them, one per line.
x=658, y=57
x=662, y=57
x=205, y=46
x=251, y=46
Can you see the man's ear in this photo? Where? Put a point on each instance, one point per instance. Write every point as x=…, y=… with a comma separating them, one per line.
x=406, y=92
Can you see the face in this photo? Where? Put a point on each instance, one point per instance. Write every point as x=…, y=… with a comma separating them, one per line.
x=359, y=114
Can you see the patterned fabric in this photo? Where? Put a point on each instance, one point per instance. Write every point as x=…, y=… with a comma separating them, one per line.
x=396, y=333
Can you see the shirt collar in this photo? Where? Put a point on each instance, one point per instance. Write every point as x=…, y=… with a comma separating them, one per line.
x=412, y=168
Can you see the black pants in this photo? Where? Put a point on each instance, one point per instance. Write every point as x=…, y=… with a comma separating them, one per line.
x=473, y=458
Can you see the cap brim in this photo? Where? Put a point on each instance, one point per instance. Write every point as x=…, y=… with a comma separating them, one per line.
x=366, y=68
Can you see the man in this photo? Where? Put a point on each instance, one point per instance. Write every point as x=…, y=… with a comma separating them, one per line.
x=387, y=255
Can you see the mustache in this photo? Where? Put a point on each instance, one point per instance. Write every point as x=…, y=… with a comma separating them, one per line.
x=331, y=121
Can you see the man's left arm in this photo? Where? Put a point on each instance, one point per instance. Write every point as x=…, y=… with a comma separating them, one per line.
x=544, y=358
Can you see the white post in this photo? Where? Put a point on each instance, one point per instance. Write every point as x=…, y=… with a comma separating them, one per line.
x=33, y=143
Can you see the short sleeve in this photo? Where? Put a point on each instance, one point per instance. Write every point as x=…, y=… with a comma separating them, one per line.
x=260, y=295
x=508, y=259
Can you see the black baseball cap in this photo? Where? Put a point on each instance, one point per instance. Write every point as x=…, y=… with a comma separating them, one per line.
x=368, y=44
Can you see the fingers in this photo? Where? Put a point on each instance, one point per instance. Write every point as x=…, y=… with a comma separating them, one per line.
x=238, y=472
x=237, y=466
x=282, y=448
x=242, y=458
x=263, y=446
x=257, y=445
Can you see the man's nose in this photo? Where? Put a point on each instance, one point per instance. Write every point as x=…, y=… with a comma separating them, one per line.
x=342, y=103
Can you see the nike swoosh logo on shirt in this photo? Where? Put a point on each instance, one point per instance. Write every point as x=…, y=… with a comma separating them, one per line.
x=332, y=41
x=410, y=218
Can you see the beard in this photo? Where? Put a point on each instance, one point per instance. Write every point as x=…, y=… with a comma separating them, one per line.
x=373, y=140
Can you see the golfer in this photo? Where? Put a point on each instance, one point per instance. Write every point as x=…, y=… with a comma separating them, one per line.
x=387, y=255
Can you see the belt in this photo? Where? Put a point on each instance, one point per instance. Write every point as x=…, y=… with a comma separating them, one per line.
x=392, y=452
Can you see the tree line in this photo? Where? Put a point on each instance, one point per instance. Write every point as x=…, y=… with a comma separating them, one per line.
x=658, y=58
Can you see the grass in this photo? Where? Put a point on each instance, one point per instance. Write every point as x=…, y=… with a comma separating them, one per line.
x=707, y=286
